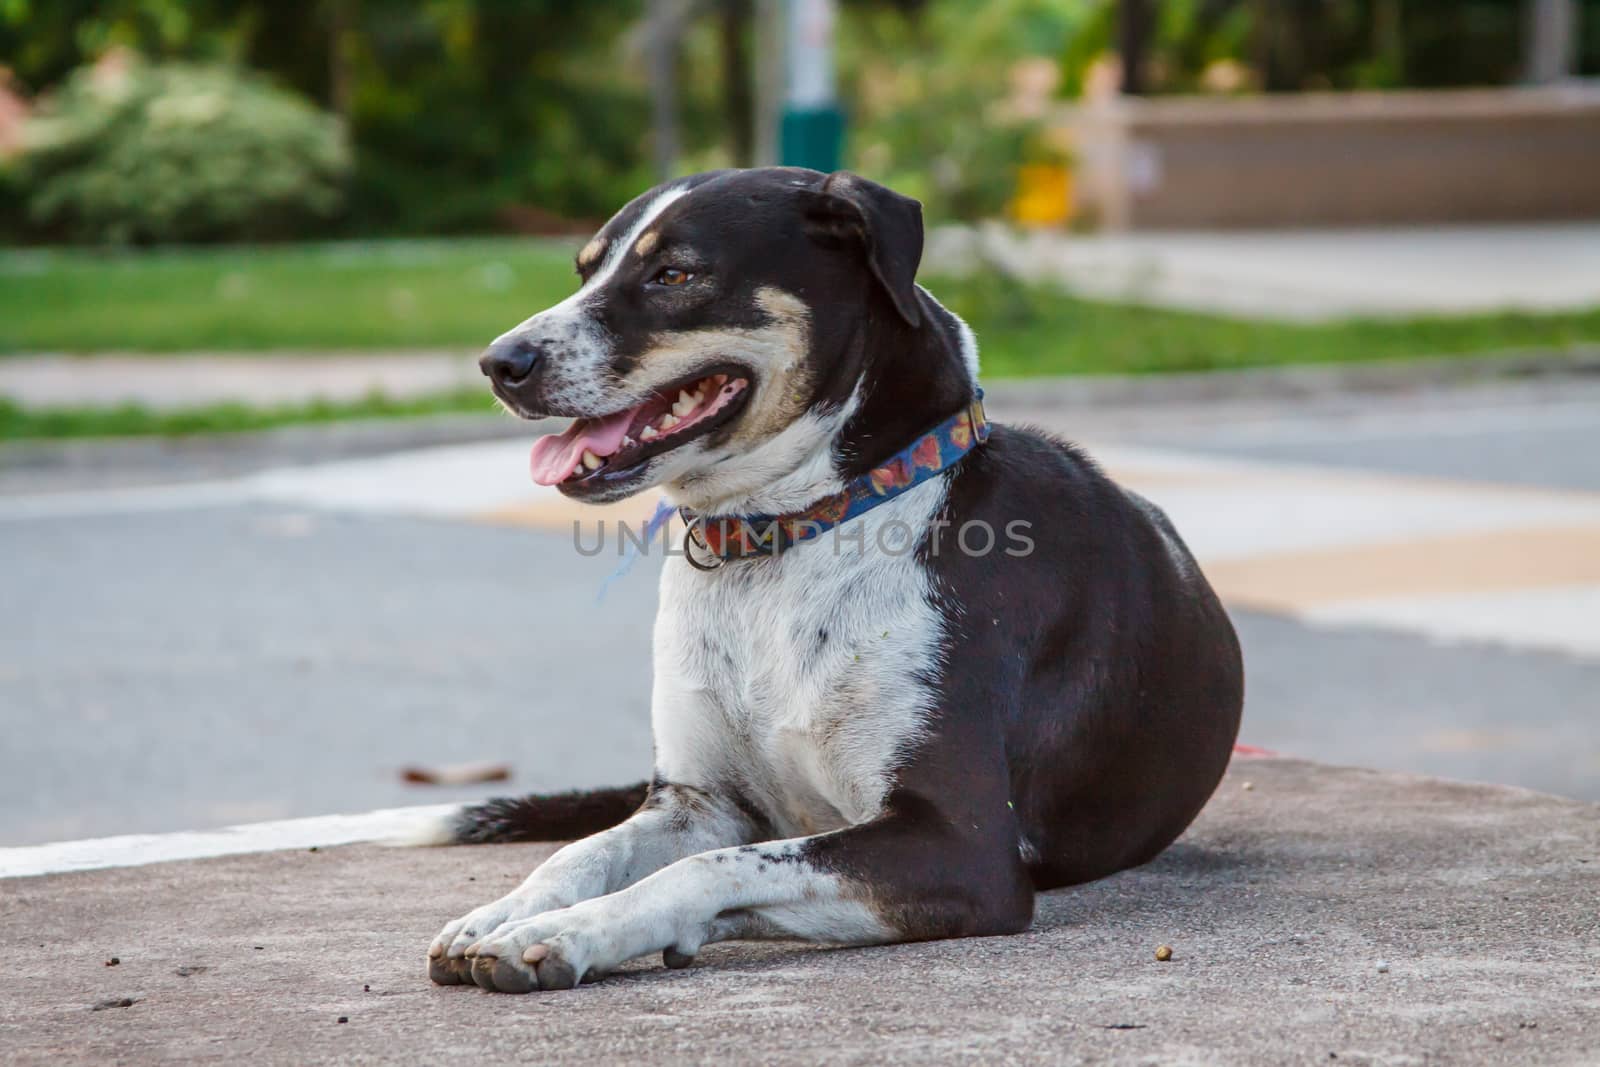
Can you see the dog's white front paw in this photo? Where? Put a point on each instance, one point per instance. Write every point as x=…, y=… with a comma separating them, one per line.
x=559, y=949
x=556, y=950
x=448, y=963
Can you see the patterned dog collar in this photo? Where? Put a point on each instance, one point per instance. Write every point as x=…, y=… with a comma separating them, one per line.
x=712, y=541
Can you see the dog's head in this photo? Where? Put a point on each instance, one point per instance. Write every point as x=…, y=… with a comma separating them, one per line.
x=714, y=343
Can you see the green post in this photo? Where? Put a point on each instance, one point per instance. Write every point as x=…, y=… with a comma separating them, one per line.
x=811, y=131
x=811, y=137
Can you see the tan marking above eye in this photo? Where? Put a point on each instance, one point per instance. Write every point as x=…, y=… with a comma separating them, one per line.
x=591, y=252
x=647, y=243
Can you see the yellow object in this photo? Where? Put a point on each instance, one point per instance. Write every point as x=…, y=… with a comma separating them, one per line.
x=1044, y=194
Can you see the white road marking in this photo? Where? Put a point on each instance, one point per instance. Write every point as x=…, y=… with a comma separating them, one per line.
x=1565, y=619
x=1235, y=509
x=137, y=850
x=454, y=480
x=1554, y=414
x=449, y=481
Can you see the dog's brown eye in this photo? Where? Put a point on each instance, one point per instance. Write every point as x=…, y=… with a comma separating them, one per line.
x=672, y=276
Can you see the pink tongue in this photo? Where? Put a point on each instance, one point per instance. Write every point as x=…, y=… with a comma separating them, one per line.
x=554, y=455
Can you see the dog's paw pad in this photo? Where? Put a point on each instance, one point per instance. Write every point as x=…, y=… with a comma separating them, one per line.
x=557, y=973
x=509, y=976
x=446, y=972
x=481, y=968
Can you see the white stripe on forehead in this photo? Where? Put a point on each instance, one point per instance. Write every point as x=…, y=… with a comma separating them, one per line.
x=620, y=246
x=572, y=306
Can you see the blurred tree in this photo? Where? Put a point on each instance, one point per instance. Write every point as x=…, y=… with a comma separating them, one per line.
x=503, y=105
x=1134, y=22
x=461, y=111
x=738, y=86
x=1295, y=45
x=1589, y=38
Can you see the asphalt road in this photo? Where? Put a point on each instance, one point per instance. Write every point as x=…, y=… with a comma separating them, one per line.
x=205, y=665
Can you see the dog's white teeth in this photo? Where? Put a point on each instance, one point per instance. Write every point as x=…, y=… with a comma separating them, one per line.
x=669, y=420
x=628, y=442
x=648, y=433
x=591, y=461
x=685, y=403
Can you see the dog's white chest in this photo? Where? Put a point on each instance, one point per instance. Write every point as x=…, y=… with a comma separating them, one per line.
x=804, y=679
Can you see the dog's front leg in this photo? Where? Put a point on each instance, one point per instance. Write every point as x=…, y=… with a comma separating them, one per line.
x=913, y=873
x=676, y=821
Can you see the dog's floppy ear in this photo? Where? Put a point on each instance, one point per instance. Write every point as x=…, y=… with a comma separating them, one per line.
x=848, y=209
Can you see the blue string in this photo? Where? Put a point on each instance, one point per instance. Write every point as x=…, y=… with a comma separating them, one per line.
x=663, y=515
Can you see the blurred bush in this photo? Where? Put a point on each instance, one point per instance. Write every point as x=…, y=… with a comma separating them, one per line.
x=945, y=106
x=961, y=170
x=127, y=152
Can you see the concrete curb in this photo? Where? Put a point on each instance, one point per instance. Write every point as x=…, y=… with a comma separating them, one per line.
x=1291, y=383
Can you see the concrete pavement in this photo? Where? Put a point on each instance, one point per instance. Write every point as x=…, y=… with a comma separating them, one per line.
x=1431, y=922
x=175, y=382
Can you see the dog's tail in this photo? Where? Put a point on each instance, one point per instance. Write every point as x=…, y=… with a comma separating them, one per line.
x=541, y=817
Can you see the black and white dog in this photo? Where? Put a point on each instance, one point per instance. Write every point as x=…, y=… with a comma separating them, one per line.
x=853, y=743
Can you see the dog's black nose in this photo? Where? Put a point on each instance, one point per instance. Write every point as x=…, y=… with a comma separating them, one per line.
x=509, y=362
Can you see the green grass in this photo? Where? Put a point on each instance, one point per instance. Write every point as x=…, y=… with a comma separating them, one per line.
x=459, y=294
x=381, y=295
x=384, y=296
x=1028, y=331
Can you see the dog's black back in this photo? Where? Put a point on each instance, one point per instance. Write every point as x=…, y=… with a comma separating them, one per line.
x=1109, y=664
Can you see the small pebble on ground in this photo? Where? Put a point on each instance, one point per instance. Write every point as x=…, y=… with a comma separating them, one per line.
x=117, y=1002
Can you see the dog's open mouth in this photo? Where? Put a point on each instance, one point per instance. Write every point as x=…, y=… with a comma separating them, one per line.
x=605, y=448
